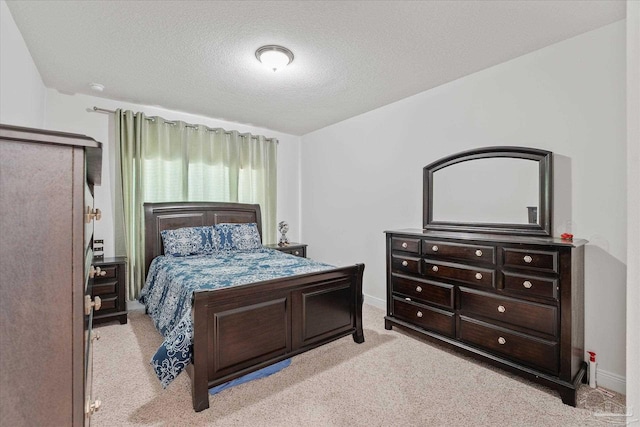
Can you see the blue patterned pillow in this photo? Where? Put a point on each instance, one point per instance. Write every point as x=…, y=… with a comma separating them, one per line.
x=188, y=241
x=237, y=236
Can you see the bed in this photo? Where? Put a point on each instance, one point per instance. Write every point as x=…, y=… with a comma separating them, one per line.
x=238, y=330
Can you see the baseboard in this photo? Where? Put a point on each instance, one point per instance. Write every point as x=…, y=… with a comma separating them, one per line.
x=376, y=302
x=611, y=381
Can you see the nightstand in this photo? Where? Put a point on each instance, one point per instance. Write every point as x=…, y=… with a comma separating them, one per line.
x=297, y=249
x=110, y=284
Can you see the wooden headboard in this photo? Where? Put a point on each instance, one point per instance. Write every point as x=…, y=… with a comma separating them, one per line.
x=168, y=216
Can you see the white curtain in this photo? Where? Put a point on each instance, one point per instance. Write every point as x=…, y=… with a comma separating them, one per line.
x=172, y=161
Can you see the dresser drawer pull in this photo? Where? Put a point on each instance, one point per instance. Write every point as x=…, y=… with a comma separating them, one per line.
x=434, y=248
x=527, y=284
x=404, y=245
x=478, y=252
x=297, y=253
x=501, y=341
x=527, y=259
x=405, y=263
x=419, y=314
x=478, y=276
x=434, y=268
x=501, y=309
x=418, y=288
x=407, y=299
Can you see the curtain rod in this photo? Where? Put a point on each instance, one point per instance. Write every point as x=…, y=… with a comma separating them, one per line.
x=188, y=125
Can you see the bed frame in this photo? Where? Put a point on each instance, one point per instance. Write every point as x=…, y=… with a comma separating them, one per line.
x=241, y=329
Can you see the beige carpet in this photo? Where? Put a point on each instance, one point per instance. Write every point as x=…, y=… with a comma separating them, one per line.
x=390, y=380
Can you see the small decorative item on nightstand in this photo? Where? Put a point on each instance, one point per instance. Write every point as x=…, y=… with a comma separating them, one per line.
x=283, y=227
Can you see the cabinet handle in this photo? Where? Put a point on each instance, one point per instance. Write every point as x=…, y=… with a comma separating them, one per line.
x=527, y=259
x=405, y=263
x=527, y=284
x=404, y=245
x=434, y=248
x=478, y=276
x=501, y=341
x=96, y=271
x=418, y=288
x=89, y=304
x=407, y=299
x=478, y=252
x=501, y=309
x=93, y=407
x=419, y=314
x=95, y=336
x=434, y=268
x=92, y=214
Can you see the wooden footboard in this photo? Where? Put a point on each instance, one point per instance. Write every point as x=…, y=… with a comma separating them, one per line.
x=242, y=329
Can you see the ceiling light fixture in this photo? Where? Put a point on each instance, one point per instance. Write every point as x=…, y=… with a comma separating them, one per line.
x=96, y=87
x=275, y=57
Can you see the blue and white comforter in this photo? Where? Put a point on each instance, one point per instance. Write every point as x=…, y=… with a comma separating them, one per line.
x=171, y=282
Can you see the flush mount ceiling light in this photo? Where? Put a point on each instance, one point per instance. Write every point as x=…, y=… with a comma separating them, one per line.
x=275, y=57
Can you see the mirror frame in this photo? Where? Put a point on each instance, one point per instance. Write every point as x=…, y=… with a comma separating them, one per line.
x=545, y=190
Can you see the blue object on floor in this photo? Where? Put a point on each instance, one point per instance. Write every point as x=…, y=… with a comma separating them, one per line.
x=260, y=373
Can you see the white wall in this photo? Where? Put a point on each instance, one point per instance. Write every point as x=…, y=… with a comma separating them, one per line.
x=22, y=92
x=364, y=175
x=70, y=113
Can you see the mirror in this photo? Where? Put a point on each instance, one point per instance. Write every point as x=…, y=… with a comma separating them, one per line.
x=493, y=189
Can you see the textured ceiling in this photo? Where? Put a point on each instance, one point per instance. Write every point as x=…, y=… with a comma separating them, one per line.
x=350, y=56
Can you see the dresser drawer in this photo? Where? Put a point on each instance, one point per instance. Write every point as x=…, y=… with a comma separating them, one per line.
x=461, y=251
x=459, y=272
x=530, y=285
x=407, y=264
x=531, y=259
x=405, y=245
x=423, y=290
x=425, y=317
x=537, y=317
x=529, y=350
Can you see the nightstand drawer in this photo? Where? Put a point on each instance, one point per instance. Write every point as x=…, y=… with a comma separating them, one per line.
x=104, y=287
x=111, y=272
x=528, y=350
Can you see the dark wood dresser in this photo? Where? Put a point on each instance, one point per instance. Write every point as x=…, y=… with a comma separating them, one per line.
x=500, y=289
x=297, y=249
x=516, y=302
x=46, y=228
x=109, y=284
